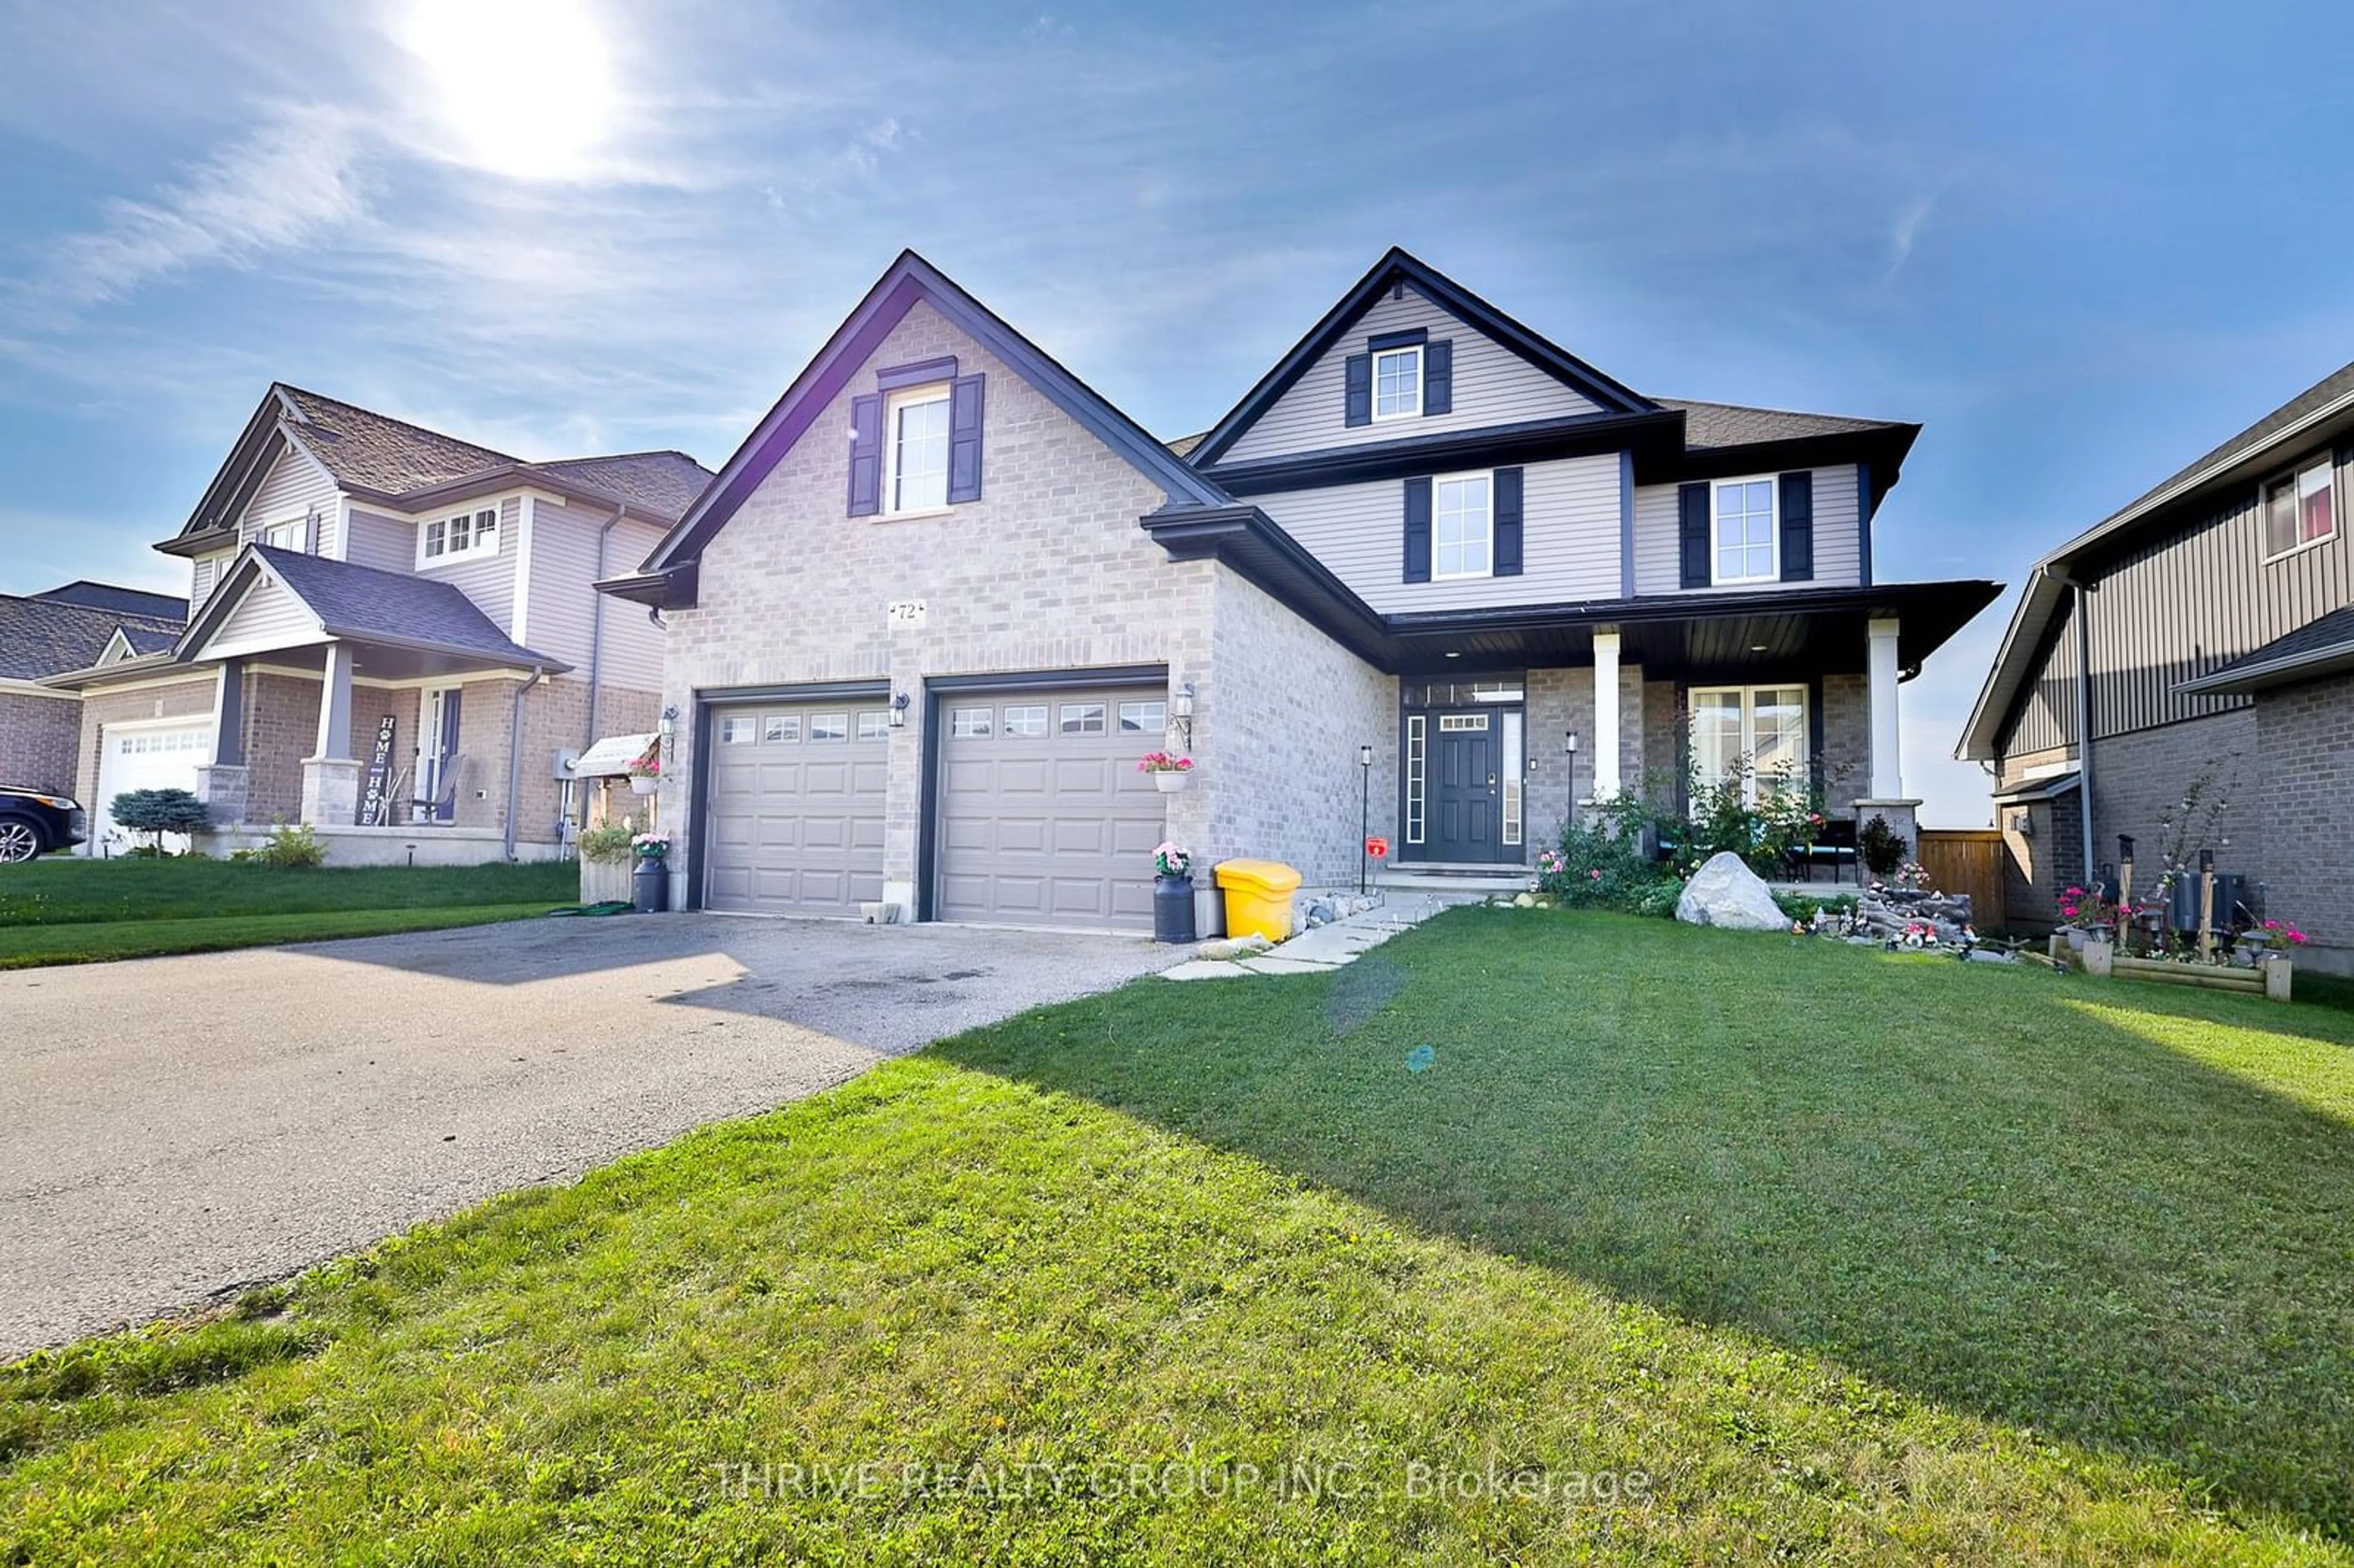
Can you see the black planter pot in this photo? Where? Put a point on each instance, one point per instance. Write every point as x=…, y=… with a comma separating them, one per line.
x=1173, y=909
x=651, y=886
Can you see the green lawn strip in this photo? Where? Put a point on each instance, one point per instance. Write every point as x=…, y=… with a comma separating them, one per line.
x=1850, y=1256
x=39, y=946
x=65, y=890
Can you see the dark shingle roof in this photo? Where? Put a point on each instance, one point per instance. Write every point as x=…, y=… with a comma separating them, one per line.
x=153, y=639
x=126, y=602
x=39, y=636
x=374, y=451
x=1731, y=425
x=2316, y=648
x=361, y=602
x=665, y=482
x=2320, y=395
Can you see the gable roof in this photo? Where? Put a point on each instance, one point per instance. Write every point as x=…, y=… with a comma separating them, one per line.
x=41, y=635
x=365, y=604
x=2319, y=648
x=666, y=576
x=2323, y=411
x=126, y=602
x=1708, y=425
x=1396, y=266
x=406, y=465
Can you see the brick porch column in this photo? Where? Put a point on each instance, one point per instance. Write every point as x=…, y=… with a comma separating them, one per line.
x=221, y=783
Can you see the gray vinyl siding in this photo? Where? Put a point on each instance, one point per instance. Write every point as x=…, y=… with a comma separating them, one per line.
x=1838, y=541
x=387, y=544
x=204, y=576
x=562, y=608
x=268, y=616
x=295, y=487
x=1569, y=551
x=2187, y=602
x=488, y=580
x=1493, y=386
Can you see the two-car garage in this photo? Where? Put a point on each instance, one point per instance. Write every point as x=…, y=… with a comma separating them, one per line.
x=1037, y=813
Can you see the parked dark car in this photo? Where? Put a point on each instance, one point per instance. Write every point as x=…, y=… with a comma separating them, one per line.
x=33, y=824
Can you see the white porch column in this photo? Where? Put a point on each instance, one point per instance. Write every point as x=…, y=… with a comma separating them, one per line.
x=331, y=775
x=1881, y=672
x=1606, y=716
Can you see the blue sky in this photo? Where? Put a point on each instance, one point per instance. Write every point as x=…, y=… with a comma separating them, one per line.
x=2079, y=243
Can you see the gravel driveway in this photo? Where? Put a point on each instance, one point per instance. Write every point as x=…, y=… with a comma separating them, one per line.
x=181, y=1129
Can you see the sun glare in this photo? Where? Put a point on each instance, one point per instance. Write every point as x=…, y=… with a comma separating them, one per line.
x=524, y=87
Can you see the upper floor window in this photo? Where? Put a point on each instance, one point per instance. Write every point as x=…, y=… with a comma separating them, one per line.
x=1397, y=383
x=294, y=536
x=1463, y=526
x=2300, y=508
x=916, y=450
x=1743, y=541
x=468, y=533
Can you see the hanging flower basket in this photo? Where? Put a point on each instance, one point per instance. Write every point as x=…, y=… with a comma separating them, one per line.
x=1168, y=770
x=645, y=774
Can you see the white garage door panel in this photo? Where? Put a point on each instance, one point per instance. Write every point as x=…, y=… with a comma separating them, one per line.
x=796, y=821
x=145, y=756
x=1044, y=818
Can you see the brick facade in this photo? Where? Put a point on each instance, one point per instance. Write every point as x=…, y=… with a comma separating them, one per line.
x=39, y=737
x=100, y=707
x=2305, y=753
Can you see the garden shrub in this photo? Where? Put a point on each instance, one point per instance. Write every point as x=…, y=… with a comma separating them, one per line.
x=606, y=844
x=1603, y=865
x=295, y=846
x=1881, y=847
x=160, y=812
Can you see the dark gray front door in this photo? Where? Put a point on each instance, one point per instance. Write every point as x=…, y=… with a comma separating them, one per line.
x=1465, y=785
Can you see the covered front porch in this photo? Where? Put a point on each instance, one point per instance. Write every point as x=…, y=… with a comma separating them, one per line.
x=1793, y=690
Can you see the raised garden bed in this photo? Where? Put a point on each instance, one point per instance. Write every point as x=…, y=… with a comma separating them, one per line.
x=2271, y=978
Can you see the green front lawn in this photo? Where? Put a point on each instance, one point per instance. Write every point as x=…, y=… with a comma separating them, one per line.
x=1792, y=1249
x=66, y=911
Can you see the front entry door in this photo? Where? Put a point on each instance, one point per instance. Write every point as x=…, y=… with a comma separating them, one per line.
x=1465, y=787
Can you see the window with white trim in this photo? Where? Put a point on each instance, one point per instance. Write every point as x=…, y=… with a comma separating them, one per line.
x=782, y=729
x=1026, y=720
x=1758, y=731
x=1742, y=540
x=1462, y=525
x=735, y=730
x=969, y=724
x=829, y=726
x=916, y=450
x=2301, y=508
x=1083, y=718
x=294, y=536
x=467, y=533
x=1143, y=718
x=1397, y=383
x=875, y=724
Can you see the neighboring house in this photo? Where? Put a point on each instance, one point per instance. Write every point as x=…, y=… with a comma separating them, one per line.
x=935, y=608
x=68, y=627
x=365, y=591
x=2215, y=611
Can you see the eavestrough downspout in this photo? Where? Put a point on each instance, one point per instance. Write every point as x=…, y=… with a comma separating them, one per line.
x=514, y=752
x=2083, y=716
x=597, y=626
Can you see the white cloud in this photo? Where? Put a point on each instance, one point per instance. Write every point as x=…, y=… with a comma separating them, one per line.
x=292, y=178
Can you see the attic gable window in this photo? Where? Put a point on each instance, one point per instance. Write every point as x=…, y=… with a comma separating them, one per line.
x=467, y=533
x=915, y=451
x=2300, y=509
x=1397, y=383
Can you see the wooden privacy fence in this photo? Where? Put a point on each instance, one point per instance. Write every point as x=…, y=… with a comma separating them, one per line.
x=1967, y=860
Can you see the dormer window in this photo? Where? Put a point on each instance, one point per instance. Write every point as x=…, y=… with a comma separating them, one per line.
x=916, y=453
x=1397, y=383
x=467, y=533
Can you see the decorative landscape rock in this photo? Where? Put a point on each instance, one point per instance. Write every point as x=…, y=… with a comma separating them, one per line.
x=1234, y=946
x=1892, y=913
x=1725, y=893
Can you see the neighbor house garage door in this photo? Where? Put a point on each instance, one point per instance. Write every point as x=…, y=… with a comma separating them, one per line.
x=1044, y=818
x=795, y=822
x=145, y=755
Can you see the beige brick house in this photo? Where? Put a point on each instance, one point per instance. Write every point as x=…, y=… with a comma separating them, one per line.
x=929, y=616
x=393, y=637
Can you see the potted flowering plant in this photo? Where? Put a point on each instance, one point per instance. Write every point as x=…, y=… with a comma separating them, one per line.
x=1172, y=894
x=645, y=773
x=2268, y=939
x=650, y=884
x=1170, y=771
x=2090, y=916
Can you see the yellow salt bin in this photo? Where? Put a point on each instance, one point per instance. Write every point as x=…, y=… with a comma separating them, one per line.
x=1258, y=897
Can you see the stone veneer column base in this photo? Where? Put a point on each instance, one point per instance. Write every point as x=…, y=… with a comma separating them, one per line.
x=221, y=786
x=331, y=792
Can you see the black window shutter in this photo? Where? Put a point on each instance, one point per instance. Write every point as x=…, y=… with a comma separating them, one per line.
x=1508, y=523
x=865, y=456
x=1438, y=376
x=1417, y=530
x=1798, y=526
x=1691, y=516
x=1359, y=390
x=964, y=438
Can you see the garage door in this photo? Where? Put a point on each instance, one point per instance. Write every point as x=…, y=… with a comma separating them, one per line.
x=1044, y=818
x=143, y=755
x=795, y=825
